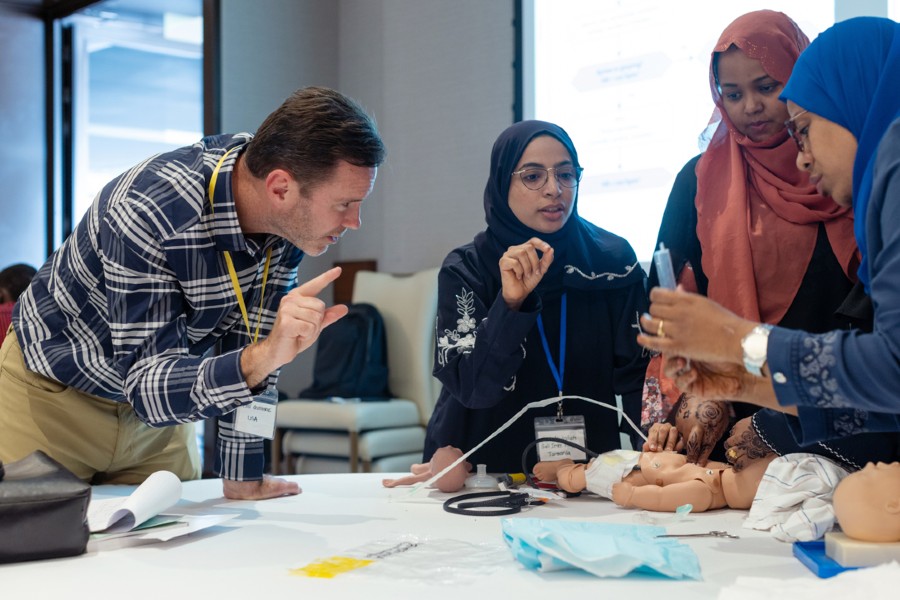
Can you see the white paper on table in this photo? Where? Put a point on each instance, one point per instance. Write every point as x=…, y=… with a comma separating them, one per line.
x=187, y=524
x=160, y=491
x=193, y=523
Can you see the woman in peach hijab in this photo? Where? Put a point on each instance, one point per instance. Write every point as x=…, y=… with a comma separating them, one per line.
x=747, y=228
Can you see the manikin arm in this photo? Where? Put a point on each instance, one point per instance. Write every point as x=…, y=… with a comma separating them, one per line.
x=419, y=472
x=567, y=475
x=451, y=481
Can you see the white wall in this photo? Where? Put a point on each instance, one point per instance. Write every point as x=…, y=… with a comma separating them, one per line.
x=437, y=77
x=269, y=48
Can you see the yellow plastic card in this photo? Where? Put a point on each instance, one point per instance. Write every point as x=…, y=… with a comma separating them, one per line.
x=329, y=567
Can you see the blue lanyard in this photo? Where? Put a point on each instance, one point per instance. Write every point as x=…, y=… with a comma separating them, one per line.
x=559, y=373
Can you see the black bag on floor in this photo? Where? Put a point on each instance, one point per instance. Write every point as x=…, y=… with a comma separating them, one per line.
x=43, y=510
x=351, y=358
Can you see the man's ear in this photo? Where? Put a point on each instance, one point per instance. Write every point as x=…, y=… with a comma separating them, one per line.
x=278, y=183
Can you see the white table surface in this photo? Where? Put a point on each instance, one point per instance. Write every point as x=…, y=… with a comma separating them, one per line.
x=252, y=555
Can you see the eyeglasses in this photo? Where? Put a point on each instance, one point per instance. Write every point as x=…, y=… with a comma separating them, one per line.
x=535, y=178
x=799, y=136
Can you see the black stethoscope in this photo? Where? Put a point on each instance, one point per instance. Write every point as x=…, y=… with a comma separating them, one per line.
x=498, y=504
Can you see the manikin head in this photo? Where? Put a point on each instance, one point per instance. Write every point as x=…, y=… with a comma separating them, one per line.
x=867, y=503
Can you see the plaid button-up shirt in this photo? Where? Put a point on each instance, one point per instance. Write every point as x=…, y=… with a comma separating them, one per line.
x=137, y=305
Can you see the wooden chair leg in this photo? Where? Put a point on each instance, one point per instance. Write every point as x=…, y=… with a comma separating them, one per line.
x=276, y=457
x=354, y=451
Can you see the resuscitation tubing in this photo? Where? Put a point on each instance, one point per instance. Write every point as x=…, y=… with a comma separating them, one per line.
x=536, y=404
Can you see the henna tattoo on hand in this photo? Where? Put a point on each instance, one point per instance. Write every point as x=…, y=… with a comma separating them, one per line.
x=684, y=407
x=712, y=419
x=750, y=448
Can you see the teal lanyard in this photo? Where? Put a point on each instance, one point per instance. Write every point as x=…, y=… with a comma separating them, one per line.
x=558, y=373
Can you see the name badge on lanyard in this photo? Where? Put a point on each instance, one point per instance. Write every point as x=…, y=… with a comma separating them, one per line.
x=258, y=417
x=570, y=427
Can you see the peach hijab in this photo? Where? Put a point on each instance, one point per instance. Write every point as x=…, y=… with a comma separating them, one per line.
x=757, y=213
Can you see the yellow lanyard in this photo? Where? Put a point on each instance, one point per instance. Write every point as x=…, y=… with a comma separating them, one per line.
x=234, y=278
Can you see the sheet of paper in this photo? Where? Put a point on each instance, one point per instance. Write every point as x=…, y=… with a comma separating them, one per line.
x=158, y=493
x=159, y=521
x=191, y=523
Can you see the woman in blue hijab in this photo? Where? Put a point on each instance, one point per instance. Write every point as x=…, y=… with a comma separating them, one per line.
x=541, y=303
x=843, y=98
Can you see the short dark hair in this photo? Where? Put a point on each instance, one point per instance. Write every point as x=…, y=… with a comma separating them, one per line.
x=14, y=279
x=310, y=132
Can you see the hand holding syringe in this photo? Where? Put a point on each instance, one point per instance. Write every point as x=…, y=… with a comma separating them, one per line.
x=663, y=261
x=666, y=274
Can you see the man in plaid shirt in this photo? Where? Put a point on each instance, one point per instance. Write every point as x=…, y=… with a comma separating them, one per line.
x=174, y=299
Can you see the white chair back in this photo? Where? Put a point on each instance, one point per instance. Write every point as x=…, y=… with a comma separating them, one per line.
x=408, y=304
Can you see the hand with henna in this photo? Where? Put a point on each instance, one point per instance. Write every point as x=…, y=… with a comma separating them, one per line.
x=702, y=423
x=744, y=446
x=698, y=427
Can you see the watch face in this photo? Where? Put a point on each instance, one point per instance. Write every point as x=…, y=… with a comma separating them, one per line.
x=755, y=346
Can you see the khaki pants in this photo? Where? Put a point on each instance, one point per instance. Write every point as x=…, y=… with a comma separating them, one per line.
x=99, y=440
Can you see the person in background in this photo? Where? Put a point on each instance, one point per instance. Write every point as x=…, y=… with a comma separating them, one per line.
x=13, y=281
x=174, y=300
x=541, y=304
x=749, y=230
x=844, y=114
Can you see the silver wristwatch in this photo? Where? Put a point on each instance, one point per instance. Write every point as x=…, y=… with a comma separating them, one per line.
x=755, y=346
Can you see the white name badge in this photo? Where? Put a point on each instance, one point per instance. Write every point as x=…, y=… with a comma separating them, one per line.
x=258, y=417
x=570, y=428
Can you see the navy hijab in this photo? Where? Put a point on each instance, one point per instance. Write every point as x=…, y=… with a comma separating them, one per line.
x=585, y=256
x=850, y=75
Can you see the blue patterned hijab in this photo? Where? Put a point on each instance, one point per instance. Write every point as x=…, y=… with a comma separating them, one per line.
x=850, y=75
x=585, y=256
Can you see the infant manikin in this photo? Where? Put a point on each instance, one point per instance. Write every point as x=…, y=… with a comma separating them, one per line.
x=658, y=481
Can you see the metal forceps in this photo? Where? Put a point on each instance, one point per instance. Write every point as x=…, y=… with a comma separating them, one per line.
x=714, y=533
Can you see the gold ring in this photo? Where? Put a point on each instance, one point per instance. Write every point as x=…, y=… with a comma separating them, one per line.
x=732, y=453
x=660, y=332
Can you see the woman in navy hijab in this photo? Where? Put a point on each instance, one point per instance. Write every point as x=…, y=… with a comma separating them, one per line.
x=540, y=304
x=843, y=98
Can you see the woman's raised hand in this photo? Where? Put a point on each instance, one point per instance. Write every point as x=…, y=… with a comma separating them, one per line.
x=521, y=270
